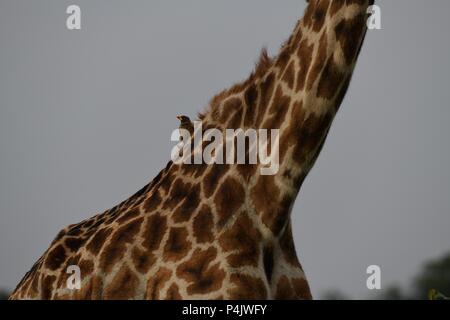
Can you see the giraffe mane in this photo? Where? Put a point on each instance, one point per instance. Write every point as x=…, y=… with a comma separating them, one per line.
x=265, y=62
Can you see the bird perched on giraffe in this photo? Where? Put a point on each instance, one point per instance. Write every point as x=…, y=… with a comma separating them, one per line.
x=186, y=124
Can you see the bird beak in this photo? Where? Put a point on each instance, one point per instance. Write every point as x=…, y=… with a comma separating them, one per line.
x=179, y=118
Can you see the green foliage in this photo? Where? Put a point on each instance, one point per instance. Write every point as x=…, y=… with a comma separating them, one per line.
x=432, y=282
x=435, y=275
x=436, y=295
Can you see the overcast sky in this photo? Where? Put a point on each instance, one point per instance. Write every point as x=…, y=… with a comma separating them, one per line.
x=86, y=118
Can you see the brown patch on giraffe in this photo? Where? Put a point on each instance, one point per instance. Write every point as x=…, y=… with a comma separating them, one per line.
x=288, y=248
x=331, y=79
x=167, y=181
x=264, y=186
x=267, y=87
x=97, y=287
x=117, y=215
x=346, y=32
x=289, y=136
x=75, y=229
x=251, y=97
x=177, y=245
x=47, y=287
x=236, y=119
x=129, y=215
x=86, y=224
x=229, y=198
x=173, y=293
x=142, y=260
x=236, y=109
x=123, y=286
x=73, y=244
x=266, y=199
x=244, y=237
x=188, y=206
x=95, y=225
x=203, y=225
x=319, y=62
x=56, y=258
x=278, y=110
x=96, y=243
x=304, y=53
x=289, y=75
x=319, y=15
x=111, y=214
x=284, y=289
x=251, y=100
x=117, y=246
x=283, y=59
x=154, y=231
x=297, y=36
x=86, y=267
x=156, y=283
x=311, y=136
x=202, y=277
x=89, y=233
x=152, y=203
x=301, y=288
x=212, y=179
x=247, y=288
x=277, y=219
x=177, y=193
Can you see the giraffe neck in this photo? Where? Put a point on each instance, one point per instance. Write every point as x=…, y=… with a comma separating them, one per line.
x=298, y=93
x=221, y=231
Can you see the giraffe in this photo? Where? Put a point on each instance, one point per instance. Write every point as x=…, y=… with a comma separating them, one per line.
x=221, y=231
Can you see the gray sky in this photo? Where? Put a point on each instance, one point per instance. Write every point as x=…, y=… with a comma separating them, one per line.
x=86, y=117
